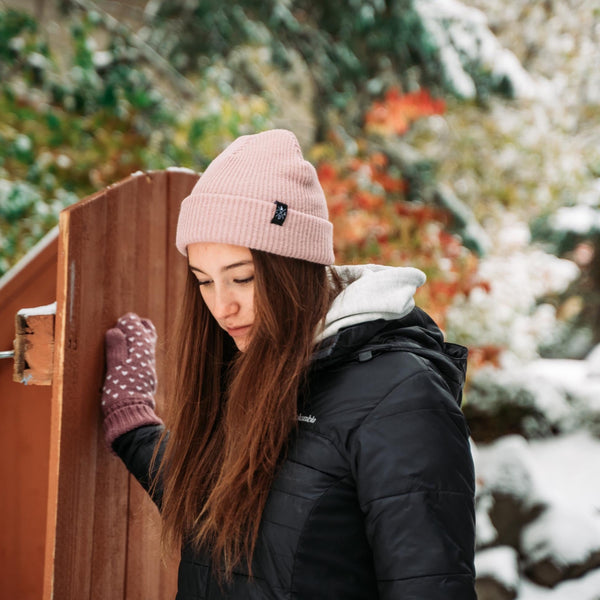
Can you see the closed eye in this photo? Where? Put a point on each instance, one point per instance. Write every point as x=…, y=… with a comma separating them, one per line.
x=247, y=280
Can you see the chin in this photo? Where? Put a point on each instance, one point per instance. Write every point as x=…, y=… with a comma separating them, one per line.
x=242, y=344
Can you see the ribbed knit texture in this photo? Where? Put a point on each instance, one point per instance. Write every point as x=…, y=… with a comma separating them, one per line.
x=128, y=417
x=234, y=201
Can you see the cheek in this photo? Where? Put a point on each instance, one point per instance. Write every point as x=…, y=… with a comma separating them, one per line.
x=249, y=301
x=207, y=301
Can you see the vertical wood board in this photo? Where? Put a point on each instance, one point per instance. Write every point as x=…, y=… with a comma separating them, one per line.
x=114, y=257
x=24, y=433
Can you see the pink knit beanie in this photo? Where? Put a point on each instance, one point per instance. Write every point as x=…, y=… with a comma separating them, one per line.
x=260, y=193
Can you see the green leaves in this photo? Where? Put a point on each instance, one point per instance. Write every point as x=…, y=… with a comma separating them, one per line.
x=71, y=129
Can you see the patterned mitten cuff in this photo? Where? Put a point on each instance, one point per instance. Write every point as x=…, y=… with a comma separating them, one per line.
x=130, y=381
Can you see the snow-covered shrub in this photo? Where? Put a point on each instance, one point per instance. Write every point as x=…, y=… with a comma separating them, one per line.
x=468, y=49
x=505, y=310
x=501, y=402
x=556, y=541
x=561, y=544
x=497, y=573
x=508, y=494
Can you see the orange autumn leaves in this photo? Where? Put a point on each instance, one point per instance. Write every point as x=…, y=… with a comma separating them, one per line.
x=397, y=111
x=373, y=221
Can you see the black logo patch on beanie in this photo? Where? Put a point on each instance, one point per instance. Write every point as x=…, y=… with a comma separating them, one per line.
x=280, y=213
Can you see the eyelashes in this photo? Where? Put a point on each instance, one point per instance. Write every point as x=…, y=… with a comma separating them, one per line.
x=238, y=281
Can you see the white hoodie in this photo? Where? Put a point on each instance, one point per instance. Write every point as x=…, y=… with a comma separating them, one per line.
x=374, y=292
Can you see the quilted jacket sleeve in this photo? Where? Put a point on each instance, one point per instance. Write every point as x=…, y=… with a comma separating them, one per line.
x=415, y=480
x=135, y=448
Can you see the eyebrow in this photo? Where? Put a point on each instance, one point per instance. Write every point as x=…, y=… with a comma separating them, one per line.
x=225, y=268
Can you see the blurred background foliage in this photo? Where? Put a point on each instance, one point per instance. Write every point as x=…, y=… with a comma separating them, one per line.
x=459, y=137
x=431, y=139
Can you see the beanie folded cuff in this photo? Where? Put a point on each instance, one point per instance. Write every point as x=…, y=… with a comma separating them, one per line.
x=127, y=418
x=231, y=219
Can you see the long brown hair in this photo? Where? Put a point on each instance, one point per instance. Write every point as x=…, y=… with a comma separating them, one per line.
x=232, y=413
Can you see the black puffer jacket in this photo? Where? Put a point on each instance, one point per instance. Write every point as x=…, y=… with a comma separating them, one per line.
x=375, y=498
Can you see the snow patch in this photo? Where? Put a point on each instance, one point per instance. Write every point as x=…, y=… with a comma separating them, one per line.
x=584, y=588
x=506, y=313
x=577, y=378
x=564, y=536
x=485, y=532
x=48, y=309
x=566, y=469
x=506, y=465
x=182, y=170
x=499, y=563
x=465, y=42
x=581, y=219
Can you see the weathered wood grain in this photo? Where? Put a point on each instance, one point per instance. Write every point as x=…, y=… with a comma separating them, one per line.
x=115, y=256
x=24, y=433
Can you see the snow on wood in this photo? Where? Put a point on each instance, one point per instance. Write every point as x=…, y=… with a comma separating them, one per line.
x=182, y=170
x=34, y=345
x=48, y=309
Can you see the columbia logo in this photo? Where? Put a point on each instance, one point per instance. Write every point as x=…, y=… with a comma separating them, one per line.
x=307, y=418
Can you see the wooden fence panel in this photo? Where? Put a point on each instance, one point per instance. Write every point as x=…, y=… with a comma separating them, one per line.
x=24, y=433
x=115, y=255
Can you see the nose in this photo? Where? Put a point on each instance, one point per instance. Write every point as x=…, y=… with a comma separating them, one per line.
x=225, y=303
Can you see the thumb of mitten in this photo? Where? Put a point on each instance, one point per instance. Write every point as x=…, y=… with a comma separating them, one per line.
x=116, y=348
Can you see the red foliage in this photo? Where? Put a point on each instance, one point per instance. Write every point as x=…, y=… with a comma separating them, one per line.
x=484, y=355
x=373, y=221
x=397, y=111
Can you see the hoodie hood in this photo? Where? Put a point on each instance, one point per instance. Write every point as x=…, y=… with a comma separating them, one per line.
x=372, y=292
x=376, y=313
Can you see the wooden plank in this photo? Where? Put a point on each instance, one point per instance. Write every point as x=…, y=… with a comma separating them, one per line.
x=116, y=254
x=143, y=552
x=108, y=567
x=179, y=185
x=149, y=575
x=34, y=345
x=24, y=433
x=77, y=373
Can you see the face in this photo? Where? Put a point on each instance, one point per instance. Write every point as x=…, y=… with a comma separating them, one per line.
x=225, y=275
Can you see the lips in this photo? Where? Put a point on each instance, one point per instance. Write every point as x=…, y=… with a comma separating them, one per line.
x=238, y=331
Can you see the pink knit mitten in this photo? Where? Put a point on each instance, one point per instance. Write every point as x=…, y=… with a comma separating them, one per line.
x=130, y=381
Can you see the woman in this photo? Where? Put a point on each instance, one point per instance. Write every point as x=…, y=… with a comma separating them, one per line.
x=317, y=448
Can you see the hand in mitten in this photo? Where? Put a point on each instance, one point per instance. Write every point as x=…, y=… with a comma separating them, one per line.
x=130, y=381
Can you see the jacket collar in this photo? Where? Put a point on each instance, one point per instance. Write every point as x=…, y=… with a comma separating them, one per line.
x=415, y=332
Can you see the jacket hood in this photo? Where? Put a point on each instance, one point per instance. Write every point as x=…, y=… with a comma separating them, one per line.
x=376, y=313
x=372, y=292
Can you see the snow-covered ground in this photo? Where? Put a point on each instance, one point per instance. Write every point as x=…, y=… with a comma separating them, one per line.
x=562, y=474
x=584, y=588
